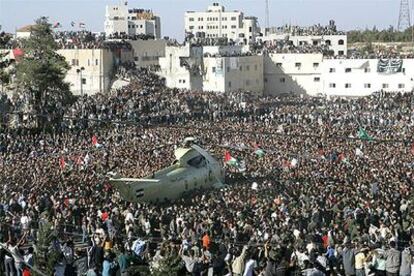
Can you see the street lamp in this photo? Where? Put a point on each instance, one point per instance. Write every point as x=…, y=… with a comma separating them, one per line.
x=79, y=71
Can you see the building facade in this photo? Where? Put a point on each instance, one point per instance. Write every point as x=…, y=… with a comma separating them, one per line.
x=148, y=52
x=97, y=72
x=121, y=20
x=216, y=22
x=314, y=75
x=219, y=69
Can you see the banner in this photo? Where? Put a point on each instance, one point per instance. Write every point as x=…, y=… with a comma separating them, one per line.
x=390, y=66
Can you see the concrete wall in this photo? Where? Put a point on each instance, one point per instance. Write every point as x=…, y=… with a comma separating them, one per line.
x=98, y=64
x=364, y=79
x=292, y=74
x=225, y=74
x=148, y=52
x=314, y=75
x=177, y=74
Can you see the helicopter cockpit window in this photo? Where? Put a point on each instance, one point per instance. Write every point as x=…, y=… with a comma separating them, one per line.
x=197, y=162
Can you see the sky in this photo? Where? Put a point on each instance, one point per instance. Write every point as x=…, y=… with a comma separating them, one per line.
x=348, y=14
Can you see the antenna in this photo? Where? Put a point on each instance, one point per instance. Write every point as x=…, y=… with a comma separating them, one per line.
x=267, y=15
x=404, y=21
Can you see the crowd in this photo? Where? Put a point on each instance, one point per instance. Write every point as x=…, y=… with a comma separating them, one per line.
x=322, y=199
x=316, y=29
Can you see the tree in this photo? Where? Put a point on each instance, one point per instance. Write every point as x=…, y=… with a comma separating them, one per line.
x=40, y=74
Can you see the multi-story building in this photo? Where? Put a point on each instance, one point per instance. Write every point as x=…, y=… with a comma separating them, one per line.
x=216, y=22
x=90, y=71
x=121, y=20
x=212, y=68
x=314, y=74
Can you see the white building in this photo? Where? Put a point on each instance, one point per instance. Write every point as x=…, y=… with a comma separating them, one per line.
x=212, y=68
x=95, y=77
x=336, y=43
x=292, y=74
x=24, y=32
x=121, y=20
x=361, y=77
x=148, y=52
x=216, y=22
x=182, y=67
x=315, y=75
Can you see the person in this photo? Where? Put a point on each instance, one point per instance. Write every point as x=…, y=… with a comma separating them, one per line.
x=348, y=259
x=123, y=262
x=392, y=260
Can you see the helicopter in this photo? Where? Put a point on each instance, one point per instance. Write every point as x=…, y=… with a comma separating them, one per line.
x=194, y=168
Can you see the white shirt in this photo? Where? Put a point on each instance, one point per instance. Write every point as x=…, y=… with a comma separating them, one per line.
x=249, y=267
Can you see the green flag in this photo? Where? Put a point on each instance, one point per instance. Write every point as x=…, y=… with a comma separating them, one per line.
x=260, y=153
x=363, y=135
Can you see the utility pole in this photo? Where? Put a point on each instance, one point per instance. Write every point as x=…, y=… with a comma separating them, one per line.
x=404, y=20
x=267, y=16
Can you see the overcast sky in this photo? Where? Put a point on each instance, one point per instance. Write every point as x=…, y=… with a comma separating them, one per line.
x=348, y=14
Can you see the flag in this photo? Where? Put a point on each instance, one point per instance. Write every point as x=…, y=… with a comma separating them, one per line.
x=363, y=135
x=62, y=162
x=73, y=23
x=229, y=160
x=57, y=25
x=358, y=152
x=294, y=162
x=94, y=140
x=82, y=25
x=259, y=152
x=86, y=159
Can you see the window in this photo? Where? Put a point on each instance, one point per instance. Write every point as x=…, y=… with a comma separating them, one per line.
x=248, y=82
x=315, y=65
x=197, y=162
x=332, y=85
x=348, y=85
x=191, y=19
x=255, y=67
x=298, y=64
x=228, y=69
x=247, y=67
x=265, y=80
x=183, y=81
x=279, y=64
x=348, y=70
x=89, y=62
x=234, y=18
x=328, y=42
x=316, y=79
x=332, y=70
x=213, y=69
x=341, y=42
x=191, y=27
x=83, y=81
x=96, y=61
x=403, y=70
x=367, y=70
x=229, y=84
x=315, y=43
x=401, y=85
x=241, y=68
x=385, y=85
x=367, y=85
x=341, y=53
x=233, y=26
x=282, y=80
x=250, y=29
